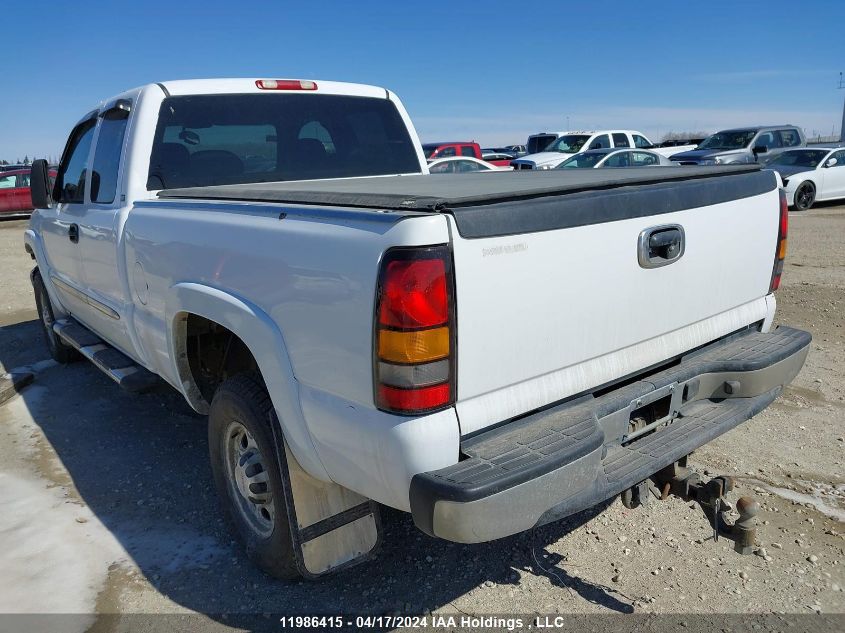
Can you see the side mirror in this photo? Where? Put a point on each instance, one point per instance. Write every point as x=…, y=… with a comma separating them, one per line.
x=831, y=162
x=760, y=149
x=39, y=185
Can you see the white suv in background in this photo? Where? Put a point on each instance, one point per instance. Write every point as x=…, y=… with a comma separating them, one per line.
x=570, y=143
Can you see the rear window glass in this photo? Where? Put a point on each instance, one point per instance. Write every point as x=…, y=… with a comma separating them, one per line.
x=241, y=138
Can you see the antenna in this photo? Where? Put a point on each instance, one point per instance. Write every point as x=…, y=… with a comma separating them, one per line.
x=841, y=86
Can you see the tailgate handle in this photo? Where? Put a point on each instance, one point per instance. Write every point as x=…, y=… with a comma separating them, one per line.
x=660, y=245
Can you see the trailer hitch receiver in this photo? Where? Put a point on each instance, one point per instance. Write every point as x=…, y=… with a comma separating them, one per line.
x=681, y=481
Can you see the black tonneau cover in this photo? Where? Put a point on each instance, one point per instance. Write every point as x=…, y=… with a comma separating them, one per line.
x=503, y=203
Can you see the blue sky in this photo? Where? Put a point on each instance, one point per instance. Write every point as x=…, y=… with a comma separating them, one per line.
x=490, y=71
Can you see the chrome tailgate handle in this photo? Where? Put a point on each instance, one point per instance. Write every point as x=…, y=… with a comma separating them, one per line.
x=660, y=245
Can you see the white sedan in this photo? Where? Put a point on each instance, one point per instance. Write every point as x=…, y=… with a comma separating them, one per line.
x=616, y=157
x=461, y=165
x=810, y=174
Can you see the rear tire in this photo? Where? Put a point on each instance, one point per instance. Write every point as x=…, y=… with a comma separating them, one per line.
x=60, y=351
x=247, y=474
x=805, y=196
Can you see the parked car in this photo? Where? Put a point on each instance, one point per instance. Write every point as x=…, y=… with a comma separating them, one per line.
x=613, y=157
x=811, y=174
x=497, y=158
x=461, y=165
x=15, y=198
x=445, y=150
x=743, y=145
x=12, y=167
x=362, y=333
x=569, y=143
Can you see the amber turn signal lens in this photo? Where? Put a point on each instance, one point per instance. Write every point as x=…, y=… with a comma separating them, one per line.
x=421, y=346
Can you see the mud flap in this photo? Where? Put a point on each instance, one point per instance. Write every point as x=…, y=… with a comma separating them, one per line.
x=331, y=527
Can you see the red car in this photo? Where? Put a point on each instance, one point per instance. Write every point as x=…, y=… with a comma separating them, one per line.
x=15, y=198
x=457, y=148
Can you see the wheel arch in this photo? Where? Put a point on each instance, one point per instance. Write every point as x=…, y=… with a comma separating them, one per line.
x=262, y=339
x=803, y=180
x=35, y=247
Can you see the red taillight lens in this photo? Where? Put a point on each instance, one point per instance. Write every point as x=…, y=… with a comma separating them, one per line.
x=780, y=248
x=285, y=84
x=417, y=400
x=414, y=331
x=414, y=294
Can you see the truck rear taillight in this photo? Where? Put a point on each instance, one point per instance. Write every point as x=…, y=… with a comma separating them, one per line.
x=285, y=84
x=414, y=337
x=780, y=251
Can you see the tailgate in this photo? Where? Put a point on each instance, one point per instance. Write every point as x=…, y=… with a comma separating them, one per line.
x=553, y=301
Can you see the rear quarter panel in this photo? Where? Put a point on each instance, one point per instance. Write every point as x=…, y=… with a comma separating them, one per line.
x=314, y=273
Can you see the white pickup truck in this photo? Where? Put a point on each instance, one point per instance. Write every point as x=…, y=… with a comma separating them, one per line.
x=488, y=353
x=554, y=148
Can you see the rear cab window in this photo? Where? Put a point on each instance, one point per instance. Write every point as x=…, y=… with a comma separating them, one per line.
x=641, y=142
x=620, y=140
x=242, y=138
x=789, y=138
x=107, y=155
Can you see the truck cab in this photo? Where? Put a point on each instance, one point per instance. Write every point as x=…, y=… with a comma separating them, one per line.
x=562, y=145
x=433, y=151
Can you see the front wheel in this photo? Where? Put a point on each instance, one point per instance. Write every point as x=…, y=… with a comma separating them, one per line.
x=805, y=196
x=246, y=473
x=59, y=350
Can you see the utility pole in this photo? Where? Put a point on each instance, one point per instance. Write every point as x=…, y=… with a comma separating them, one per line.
x=842, y=127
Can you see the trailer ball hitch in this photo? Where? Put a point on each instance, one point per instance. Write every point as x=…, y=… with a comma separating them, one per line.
x=682, y=482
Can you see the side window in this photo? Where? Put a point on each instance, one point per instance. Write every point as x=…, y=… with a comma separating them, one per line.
x=789, y=138
x=446, y=152
x=8, y=182
x=840, y=158
x=620, y=140
x=467, y=165
x=70, y=183
x=641, y=142
x=600, y=142
x=767, y=139
x=442, y=168
x=107, y=157
x=619, y=159
x=643, y=159
x=23, y=180
x=467, y=150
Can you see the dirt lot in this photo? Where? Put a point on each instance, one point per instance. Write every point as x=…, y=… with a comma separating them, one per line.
x=108, y=505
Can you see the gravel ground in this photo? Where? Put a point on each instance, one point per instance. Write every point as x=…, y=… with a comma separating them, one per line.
x=108, y=505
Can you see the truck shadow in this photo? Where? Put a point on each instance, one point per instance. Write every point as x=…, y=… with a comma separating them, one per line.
x=139, y=463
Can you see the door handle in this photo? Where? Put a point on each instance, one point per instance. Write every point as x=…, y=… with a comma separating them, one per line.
x=660, y=245
x=73, y=233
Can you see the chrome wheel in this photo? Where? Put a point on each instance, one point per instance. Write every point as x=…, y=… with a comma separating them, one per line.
x=249, y=481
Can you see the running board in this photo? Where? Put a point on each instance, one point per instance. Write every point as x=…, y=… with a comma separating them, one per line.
x=116, y=365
